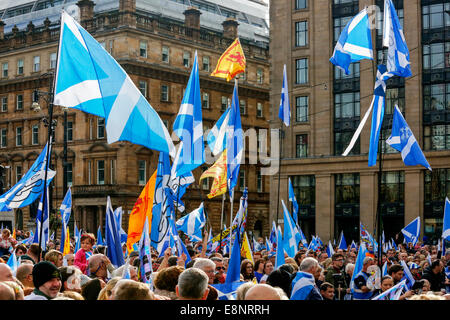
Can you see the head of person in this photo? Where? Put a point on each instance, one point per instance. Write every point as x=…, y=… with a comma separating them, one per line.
x=386, y=283
x=349, y=268
x=268, y=267
x=337, y=261
x=396, y=272
x=92, y=288
x=167, y=279
x=47, y=278
x=6, y=292
x=247, y=269
x=98, y=265
x=192, y=285
x=309, y=265
x=262, y=291
x=69, y=259
x=126, y=289
x=426, y=286
x=207, y=266
x=299, y=256
x=20, y=250
x=6, y=234
x=87, y=241
x=17, y=288
x=70, y=278
x=322, y=257
x=24, y=274
x=437, y=266
x=367, y=262
x=5, y=273
x=106, y=292
x=281, y=278
x=220, y=268
x=327, y=291
x=55, y=257
x=242, y=290
x=34, y=251
x=402, y=256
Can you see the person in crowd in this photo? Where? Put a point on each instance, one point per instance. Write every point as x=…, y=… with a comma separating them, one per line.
x=247, y=270
x=91, y=289
x=386, y=283
x=167, y=280
x=435, y=276
x=327, y=291
x=55, y=257
x=69, y=259
x=361, y=290
x=106, y=292
x=6, y=242
x=24, y=274
x=262, y=292
x=304, y=286
x=268, y=268
x=6, y=292
x=336, y=276
x=6, y=273
x=99, y=265
x=20, y=250
x=46, y=280
x=207, y=266
x=259, y=269
x=220, y=270
x=126, y=289
x=33, y=254
x=17, y=288
x=70, y=279
x=87, y=241
x=281, y=278
x=192, y=285
x=415, y=271
x=242, y=290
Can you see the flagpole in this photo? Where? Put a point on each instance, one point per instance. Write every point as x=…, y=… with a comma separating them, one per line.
x=279, y=173
x=221, y=221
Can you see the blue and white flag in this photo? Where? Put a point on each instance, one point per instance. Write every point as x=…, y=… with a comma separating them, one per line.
x=192, y=224
x=353, y=245
x=412, y=231
x=88, y=78
x=126, y=271
x=234, y=271
x=355, y=42
x=268, y=245
x=65, y=209
x=302, y=285
x=279, y=258
x=13, y=262
x=99, y=237
x=112, y=237
x=77, y=236
x=342, y=243
x=188, y=126
x=30, y=187
x=407, y=275
x=330, y=250
x=393, y=293
x=145, y=255
x=394, y=245
x=42, y=221
x=285, y=108
x=217, y=136
x=291, y=237
x=402, y=139
x=384, y=271
x=314, y=244
x=302, y=237
x=446, y=224
x=273, y=233
x=294, y=202
x=178, y=186
x=398, y=61
x=358, y=264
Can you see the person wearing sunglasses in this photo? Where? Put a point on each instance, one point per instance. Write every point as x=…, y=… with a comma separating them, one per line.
x=220, y=270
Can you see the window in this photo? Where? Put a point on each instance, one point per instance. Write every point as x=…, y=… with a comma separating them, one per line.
x=241, y=180
x=53, y=60
x=301, y=71
x=243, y=106
x=100, y=171
x=4, y=103
x=100, y=128
x=301, y=109
x=305, y=192
x=205, y=100
x=143, y=49
x=165, y=54
x=18, y=136
x=436, y=56
x=243, y=76
x=205, y=182
x=301, y=150
x=224, y=103
x=5, y=69
x=353, y=69
x=259, y=181
x=36, y=63
x=346, y=116
x=18, y=173
x=301, y=4
x=339, y=25
x=436, y=189
x=20, y=66
x=69, y=131
x=435, y=16
x=89, y=172
x=3, y=138
x=113, y=171
x=19, y=102
x=392, y=187
x=164, y=93
x=259, y=76
x=35, y=134
x=142, y=172
x=301, y=33
x=394, y=96
x=143, y=87
x=69, y=174
x=259, y=110
x=437, y=137
x=346, y=105
x=206, y=63
x=347, y=188
x=186, y=59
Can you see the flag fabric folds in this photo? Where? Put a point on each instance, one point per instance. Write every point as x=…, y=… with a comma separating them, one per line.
x=412, y=231
x=217, y=136
x=77, y=236
x=446, y=224
x=330, y=250
x=112, y=237
x=218, y=171
x=279, y=257
x=65, y=209
x=246, y=250
x=66, y=249
x=188, y=126
x=13, y=262
x=234, y=264
x=192, y=223
x=354, y=44
x=178, y=186
x=231, y=62
x=291, y=237
x=358, y=264
x=407, y=275
x=145, y=255
x=99, y=237
x=142, y=210
x=285, y=109
x=402, y=139
x=42, y=221
x=88, y=78
x=393, y=293
x=294, y=201
x=302, y=285
x=342, y=243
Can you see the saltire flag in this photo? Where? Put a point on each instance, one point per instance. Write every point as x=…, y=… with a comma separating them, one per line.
x=354, y=44
x=240, y=219
x=411, y=232
x=77, y=236
x=402, y=139
x=342, y=243
x=246, y=250
x=178, y=186
x=291, y=236
x=112, y=237
x=314, y=244
x=88, y=78
x=231, y=62
x=330, y=250
x=42, y=221
x=302, y=285
x=218, y=171
x=233, y=273
x=358, y=264
x=446, y=224
x=384, y=271
x=273, y=233
x=268, y=245
x=398, y=61
x=217, y=136
x=294, y=202
x=279, y=258
x=145, y=255
x=99, y=237
x=126, y=271
x=192, y=224
x=285, y=109
x=393, y=293
x=122, y=234
x=319, y=241
x=302, y=237
x=52, y=237
x=31, y=186
x=65, y=209
x=353, y=245
x=407, y=275
x=142, y=210
x=188, y=126
x=13, y=262
x=394, y=244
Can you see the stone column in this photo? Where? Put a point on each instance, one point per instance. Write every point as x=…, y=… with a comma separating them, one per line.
x=368, y=190
x=414, y=195
x=230, y=28
x=84, y=218
x=100, y=216
x=324, y=206
x=86, y=12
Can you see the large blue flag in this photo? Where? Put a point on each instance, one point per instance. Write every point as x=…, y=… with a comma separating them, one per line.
x=112, y=237
x=446, y=225
x=89, y=79
x=398, y=61
x=42, y=221
x=402, y=139
x=358, y=264
x=342, y=243
x=192, y=224
x=65, y=209
x=77, y=236
x=30, y=187
x=412, y=231
x=291, y=236
x=285, y=109
x=354, y=44
x=217, y=136
x=302, y=285
x=294, y=201
x=279, y=258
x=178, y=186
x=188, y=126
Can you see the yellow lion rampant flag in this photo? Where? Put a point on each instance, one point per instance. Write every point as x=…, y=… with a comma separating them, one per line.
x=218, y=171
x=66, y=249
x=246, y=250
x=231, y=63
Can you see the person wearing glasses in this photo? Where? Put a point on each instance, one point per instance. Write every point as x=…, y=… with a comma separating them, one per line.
x=220, y=270
x=99, y=265
x=336, y=276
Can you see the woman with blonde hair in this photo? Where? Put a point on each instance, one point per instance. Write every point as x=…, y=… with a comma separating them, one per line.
x=106, y=292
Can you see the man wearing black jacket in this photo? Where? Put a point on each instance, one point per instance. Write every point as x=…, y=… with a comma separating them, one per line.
x=435, y=275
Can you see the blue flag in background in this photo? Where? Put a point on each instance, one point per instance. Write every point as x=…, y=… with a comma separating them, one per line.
x=77, y=236
x=285, y=109
x=99, y=237
x=42, y=221
x=412, y=231
x=145, y=255
x=112, y=237
x=65, y=209
x=279, y=259
x=358, y=264
x=342, y=243
x=89, y=79
x=330, y=250
x=354, y=44
x=291, y=237
x=294, y=202
x=192, y=224
x=446, y=225
x=217, y=136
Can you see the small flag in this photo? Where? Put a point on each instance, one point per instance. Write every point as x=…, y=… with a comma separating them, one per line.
x=393, y=293
x=217, y=136
x=291, y=237
x=446, y=224
x=358, y=264
x=112, y=237
x=294, y=202
x=42, y=221
x=231, y=63
x=66, y=249
x=13, y=262
x=99, y=237
x=65, y=209
x=342, y=243
x=412, y=231
x=192, y=223
x=218, y=171
x=285, y=109
x=407, y=275
x=246, y=251
x=330, y=250
x=279, y=260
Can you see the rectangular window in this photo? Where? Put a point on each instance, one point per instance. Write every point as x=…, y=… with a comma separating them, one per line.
x=224, y=103
x=241, y=180
x=301, y=71
x=3, y=138
x=35, y=134
x=5, y=69
x=143, y=49
x=4, y=102
x=18, y=136
x=260, y=76
x=205, y=100
x=301, y=33
x=143, y=88
x=353, y=69
x=100, y=128
x=346, y=105
x=243, y=106
x=435, y=16
x=301, y=150
x=437, y=137
x=392, y=187
x=259, y=110
x=301, y=4
x=164, y=93
x=19, y=102
x=69, y=172
x=113, y=171
x=20, y=66
x=186, y=59
x=205, y=182
x=89, y=172
x=36, y=63
x=53, y=60
x=100, y=171
x=301, y=108
x=18, y=173
x=165, y=54
x=142, y=172
x=206, y=63
x=436, y=56
x=259, y=181
x=69, y=131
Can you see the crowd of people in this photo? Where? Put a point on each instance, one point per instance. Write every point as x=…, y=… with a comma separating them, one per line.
x=88, y=274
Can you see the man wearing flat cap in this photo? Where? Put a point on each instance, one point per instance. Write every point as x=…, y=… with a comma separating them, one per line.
x=47, y=281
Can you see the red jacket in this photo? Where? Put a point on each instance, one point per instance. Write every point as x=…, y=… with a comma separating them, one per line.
x=80, y=261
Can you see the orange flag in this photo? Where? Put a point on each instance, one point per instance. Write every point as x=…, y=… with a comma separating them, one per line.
x=231, y=63
x=14, y=233
x=67, y=243
x=141, y=210
x=218, y=171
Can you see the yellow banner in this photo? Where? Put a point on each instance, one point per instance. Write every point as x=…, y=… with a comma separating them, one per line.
x=231, y=63
x=218, y=171
x=67, y=243
x=246, y=250
x=225, y=233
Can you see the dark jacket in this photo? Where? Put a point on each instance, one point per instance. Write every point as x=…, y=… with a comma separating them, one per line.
x=437, y=281
x=337, y=278
x=314, y=295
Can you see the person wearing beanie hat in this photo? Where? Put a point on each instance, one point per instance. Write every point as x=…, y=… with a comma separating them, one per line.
x=46, y=280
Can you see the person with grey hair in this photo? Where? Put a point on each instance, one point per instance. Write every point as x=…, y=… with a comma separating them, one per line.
x=99, y=265
x=361, y=291
x=304, y=285
x=208, y=266
x=192, y=285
